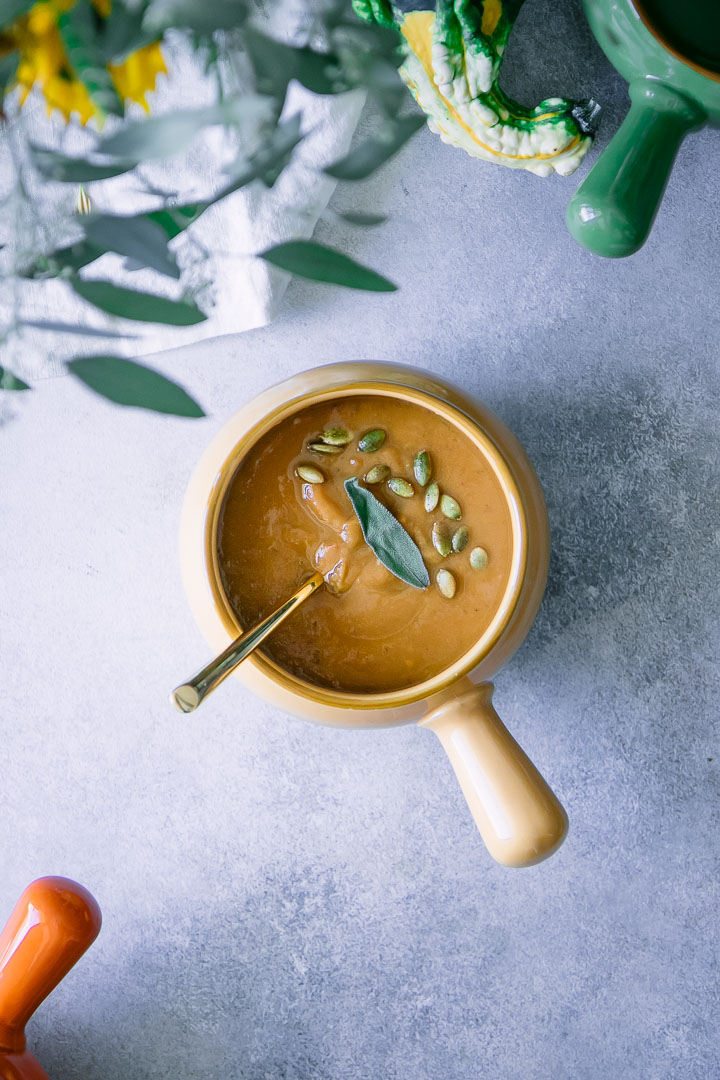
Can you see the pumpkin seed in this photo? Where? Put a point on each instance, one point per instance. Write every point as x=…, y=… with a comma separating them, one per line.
x=323, y=448
x=310, y=473
x=371, y=441
x=432, y=496
x=422, y=467
x=441, y=539
x=460, y=538
x=450, y=507
x=336, y=436
x=446, y=583
x=401, y=487
x=478, y=558
x=377, y=474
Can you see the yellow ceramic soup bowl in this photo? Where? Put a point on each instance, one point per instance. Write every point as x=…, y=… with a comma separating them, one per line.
x=519, y=817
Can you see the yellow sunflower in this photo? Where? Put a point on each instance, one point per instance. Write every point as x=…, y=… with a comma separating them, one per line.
x=44, y=63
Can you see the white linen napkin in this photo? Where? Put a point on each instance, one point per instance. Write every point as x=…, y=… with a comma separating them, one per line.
x=241, y=292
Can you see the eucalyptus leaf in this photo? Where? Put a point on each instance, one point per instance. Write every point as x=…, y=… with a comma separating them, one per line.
x=128, y=383
x=10, y=10
x=275, y=64
x=8, y=381
x=80, y=30
x=381, y=40
x=357, y=218
x=268, y=162
x=386, y=537
x=141, y=306
x=164, y=136
x=72, y=328
x=368, y=156
x=70, y=258
x=318, y=263
x=174, y=219
x=138, y=238
x=159, y=136
x=202, y=18
x=75, y=170
x=8, y=70
x=123, y=31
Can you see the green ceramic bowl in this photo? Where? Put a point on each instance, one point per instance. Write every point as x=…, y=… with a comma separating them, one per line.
x=669, y=52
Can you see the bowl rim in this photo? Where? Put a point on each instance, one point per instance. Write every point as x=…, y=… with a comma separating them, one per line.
x=362, y=700
x=666, y=43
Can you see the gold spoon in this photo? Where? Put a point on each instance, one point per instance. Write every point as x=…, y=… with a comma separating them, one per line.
x=188, y=696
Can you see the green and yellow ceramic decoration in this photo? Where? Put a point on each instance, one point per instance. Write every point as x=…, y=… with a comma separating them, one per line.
x=454, y=50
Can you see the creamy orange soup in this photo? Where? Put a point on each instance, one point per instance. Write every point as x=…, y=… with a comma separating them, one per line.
x=366, y=630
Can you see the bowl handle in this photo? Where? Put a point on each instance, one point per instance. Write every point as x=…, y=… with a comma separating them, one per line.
x=612, y=211
x=519, y=817
x=53, y=923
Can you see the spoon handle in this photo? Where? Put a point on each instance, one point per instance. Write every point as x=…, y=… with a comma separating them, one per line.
x=188, y=696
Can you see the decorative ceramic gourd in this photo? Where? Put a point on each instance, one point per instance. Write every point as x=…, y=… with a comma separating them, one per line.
x=53, y=923
x=453, y=55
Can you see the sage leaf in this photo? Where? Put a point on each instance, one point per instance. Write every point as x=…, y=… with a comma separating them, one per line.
x=368, y=156
x=8, y=381
x=142, y=306
x=318, y=263
x=138, y=238
x=386, y=537
x=128, y=383
x=74, y=170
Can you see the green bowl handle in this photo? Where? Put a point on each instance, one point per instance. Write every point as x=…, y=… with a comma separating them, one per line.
x=612, y=211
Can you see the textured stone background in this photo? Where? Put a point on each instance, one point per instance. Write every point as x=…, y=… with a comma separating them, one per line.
x=284, y=901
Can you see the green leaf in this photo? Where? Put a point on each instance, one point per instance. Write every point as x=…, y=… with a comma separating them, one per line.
x=74, y=170
x=81, y=29
x=138, y=238
x=386, y=537
x=72, y=328
x=366, y=158
x=123, y=32
x=275, y=64
x=142, y=306
x=164, y=136
x=127, y=383
x=73, y=258
x=159, y=136
x=202, y=18
x=8, y=69
x=8, y=381
x=10, y=10
x=268, y=162
x=174, y=219
x=318, y=263
x=358, y=218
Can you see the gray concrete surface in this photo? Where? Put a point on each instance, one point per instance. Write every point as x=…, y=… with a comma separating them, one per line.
x=284, y=901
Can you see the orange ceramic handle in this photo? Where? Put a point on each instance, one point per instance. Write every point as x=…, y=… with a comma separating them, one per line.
x=519, y=818
x=53, y=923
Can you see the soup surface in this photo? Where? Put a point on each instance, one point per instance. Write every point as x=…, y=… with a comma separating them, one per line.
x=366, y=630
x=692, y=28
